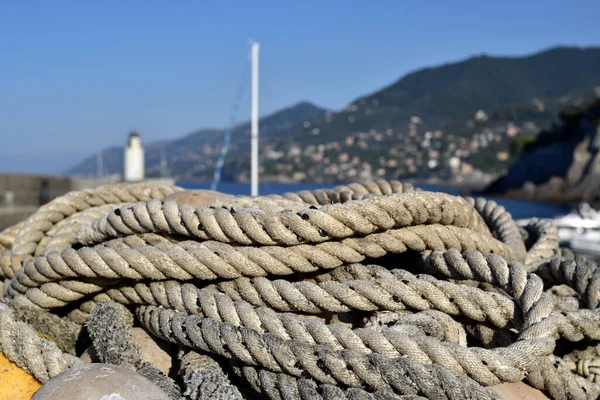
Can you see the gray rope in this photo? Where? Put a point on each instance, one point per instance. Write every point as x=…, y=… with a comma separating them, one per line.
x=109, y=329
x=204, y=379
x=268, y=351
x=402, y=377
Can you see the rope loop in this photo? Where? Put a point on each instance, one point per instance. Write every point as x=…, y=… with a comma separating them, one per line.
x=365, y=291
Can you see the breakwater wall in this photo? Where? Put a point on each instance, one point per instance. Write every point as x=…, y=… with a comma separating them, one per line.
x=22, y=194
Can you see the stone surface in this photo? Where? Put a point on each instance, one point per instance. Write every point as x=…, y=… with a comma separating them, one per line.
x=518, y=391
x=15, y=382
x=149, y=349
x=198, y=198
x=99, y=381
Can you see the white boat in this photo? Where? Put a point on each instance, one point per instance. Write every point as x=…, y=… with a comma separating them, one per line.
x=579, y=230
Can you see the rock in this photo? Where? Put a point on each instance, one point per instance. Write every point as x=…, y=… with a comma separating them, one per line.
x=150, y=351
x=562, y=165
x=518, y=391
x=581, y=158
x=15, y=382
x=198, y=198
x=99, y=381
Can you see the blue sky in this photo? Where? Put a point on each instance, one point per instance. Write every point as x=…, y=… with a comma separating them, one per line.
x=76, y=76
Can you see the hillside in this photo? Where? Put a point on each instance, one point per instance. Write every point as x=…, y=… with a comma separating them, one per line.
x=439, y=122
x=198, y=150
x=561, y=165
x=442, y=121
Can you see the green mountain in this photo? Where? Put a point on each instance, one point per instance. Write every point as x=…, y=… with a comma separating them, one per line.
x=428, y=120
x=437, y=121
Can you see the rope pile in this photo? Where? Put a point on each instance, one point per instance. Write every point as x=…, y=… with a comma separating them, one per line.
x=365, y=291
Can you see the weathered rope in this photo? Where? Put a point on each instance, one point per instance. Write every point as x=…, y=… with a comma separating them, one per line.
x=265, y=297
x=395, y=290
x=109, y=329
x=35, y=227
x=545, y=236
x=64, y=333
x=21, y=344
x=578, y=274
x=402, y=379
x=64, y=233
x=210, y=260
x=342, y=194
x=7, y=236
x=500, y=222
x=204, y=379
x=312, y=225
x=292, y=357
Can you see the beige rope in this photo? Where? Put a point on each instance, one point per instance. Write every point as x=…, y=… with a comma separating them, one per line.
x=210, y=260
x=396, y=290
x=342, y=194
x=39, y=223
x=21, y=344
x=7, y=236
x=312, y=225
x=268, y=290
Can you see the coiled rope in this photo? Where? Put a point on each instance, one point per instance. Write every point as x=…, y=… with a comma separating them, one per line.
x=365, y=291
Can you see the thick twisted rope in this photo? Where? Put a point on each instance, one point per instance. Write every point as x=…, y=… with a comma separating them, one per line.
x=387, y=342
x=544, y=236
x=500, y=222
x=283, y=386
x=204, y=378
x=292, y=357
x=312, y=225
x=64, y=233
x=578, y=274
x=210, y=260
x=7, y=236
x=39, y=223
x=268, y=293
x=396, y=290
x=21, y=344
x=342, y=194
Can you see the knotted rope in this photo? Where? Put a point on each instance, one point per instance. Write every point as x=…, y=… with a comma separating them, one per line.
x=365, y=291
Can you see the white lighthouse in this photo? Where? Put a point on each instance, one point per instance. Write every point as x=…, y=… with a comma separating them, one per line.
x=134, y=158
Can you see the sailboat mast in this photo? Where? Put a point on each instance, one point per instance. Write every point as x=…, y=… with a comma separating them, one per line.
x=163, y=163
x=254, y=122
x=99, y=165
